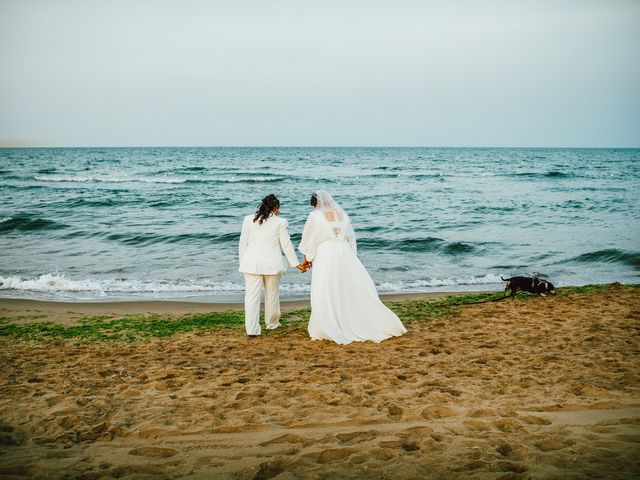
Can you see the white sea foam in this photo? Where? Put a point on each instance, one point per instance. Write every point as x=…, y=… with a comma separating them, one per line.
x=4, y=219
x=416, y=285
x=63, y=178
x=258, y=179
x=110, y=179
x=58, y=283
x=52, y=284
x=164, y=179
x=159, y=180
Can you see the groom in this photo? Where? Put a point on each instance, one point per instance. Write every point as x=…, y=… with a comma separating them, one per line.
x=264, y=235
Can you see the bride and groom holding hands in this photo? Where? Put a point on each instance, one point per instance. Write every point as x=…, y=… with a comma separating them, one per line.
x=345, y=306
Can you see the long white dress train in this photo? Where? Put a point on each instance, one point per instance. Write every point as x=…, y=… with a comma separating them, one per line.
x=345, y=306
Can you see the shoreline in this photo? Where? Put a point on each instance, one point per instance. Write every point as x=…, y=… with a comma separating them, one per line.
x=175, y=307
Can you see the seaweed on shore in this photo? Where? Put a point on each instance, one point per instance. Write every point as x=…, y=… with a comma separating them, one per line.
x=127, y=328
x=141, y=327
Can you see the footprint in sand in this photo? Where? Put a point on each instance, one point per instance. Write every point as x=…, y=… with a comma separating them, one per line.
x=406, y=445
x=471, y=466
x=54, y=399
x=512, y=467
x=481, y=412
x=127, y=392
x=434, y=412
x=513, y=452
x=287, y=438
x=395, y=411
x=552, y=443
x=533, y=420
x=268, y=470
x=10, y=436
x=153, y=452
x=243, y=395
x=508, y=425
x=331, y=455
x=383, y=454
x=476, y=426
x=357, y=437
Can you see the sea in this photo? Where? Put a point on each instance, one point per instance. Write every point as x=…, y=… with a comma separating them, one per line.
x=164, y=223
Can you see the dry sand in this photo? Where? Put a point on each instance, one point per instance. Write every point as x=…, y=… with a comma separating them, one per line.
x=544, y=388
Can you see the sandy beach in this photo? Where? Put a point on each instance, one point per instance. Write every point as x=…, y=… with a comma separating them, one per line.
x=525, y=388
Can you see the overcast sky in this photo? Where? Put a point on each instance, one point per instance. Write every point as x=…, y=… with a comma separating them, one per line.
x=397, y=73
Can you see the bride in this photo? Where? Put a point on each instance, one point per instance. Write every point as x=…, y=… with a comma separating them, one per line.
x=345, y=306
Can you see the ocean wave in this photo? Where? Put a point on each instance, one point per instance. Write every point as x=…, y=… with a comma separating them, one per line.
x=63, y=178
x=556, y=174
x=193, y=169
x=85, y=179
x=164, y=179
x=58, y=283
x=458, y=248
x=548, y=174
x=405, y=245
x=611, y=255
x=424, y=176
x=95, y=202
x=258, y=179
x=382, y=175
x=485, y=209
x=421, y=244
x=52, y=284
x=372, y=228
x=407, y=176
x=28, y=223
x=151, y=238
x=403, y=286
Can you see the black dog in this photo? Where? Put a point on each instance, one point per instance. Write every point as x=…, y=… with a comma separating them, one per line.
x=528, y=284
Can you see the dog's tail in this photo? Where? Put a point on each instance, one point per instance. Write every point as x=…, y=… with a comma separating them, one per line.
x=505, y=279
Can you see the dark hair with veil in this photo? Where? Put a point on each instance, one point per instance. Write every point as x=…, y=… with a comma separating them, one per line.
x=332, y=211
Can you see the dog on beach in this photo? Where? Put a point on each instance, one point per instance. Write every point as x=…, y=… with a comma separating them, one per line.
x=528, y=284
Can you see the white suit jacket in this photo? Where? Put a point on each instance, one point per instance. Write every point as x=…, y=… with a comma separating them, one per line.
x=261, y=246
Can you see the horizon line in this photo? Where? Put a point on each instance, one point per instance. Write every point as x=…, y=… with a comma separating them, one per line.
x=6, y=147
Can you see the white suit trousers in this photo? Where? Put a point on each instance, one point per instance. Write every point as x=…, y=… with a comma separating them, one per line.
x=254, y=285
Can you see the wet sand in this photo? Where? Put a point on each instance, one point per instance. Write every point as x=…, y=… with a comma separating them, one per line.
x=542, y=388
x=27, y=310
x=164, y=306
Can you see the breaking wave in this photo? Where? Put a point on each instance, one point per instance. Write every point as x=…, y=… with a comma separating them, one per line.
x=58, y=285
x=611, y=255
x=162, y=179
x=27, y=223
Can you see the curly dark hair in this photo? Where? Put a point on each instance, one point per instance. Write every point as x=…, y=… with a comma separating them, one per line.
x=313, y=200
x=266, y=208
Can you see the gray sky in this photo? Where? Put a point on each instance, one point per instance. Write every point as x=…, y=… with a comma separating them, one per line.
x=414, y=73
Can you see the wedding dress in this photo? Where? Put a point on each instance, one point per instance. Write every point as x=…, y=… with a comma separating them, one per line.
x=345, y=306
